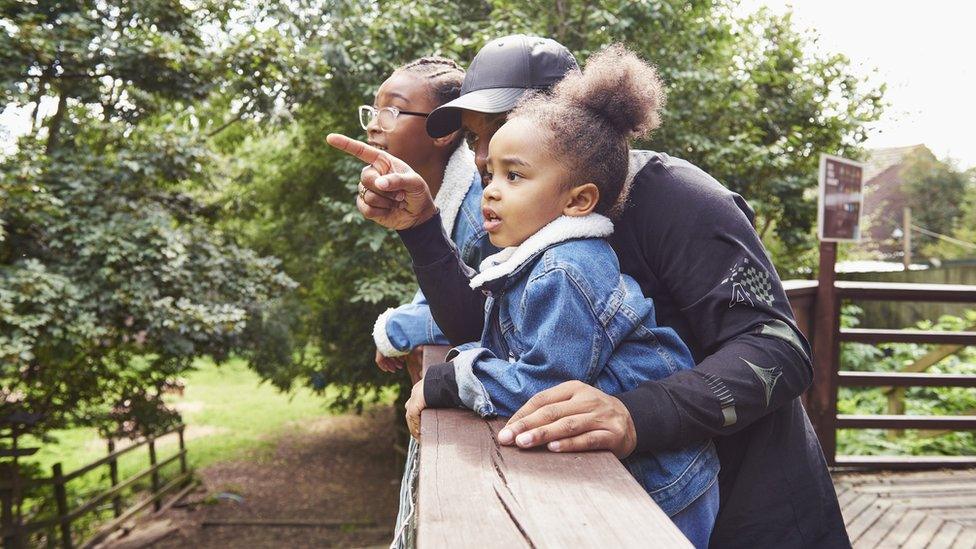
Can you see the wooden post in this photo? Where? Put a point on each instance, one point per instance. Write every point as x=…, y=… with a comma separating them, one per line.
x=182, y=450
x=113, y=474
x=906, y=241
x=155, y=474
x=826, y=353
x=61, y=496
x=8, y=520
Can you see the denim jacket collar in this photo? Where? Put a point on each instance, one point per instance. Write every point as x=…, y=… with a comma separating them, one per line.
x=457, y=181
x=511, y=260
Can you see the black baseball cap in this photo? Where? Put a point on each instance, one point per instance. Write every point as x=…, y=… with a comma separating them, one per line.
x=498, y=76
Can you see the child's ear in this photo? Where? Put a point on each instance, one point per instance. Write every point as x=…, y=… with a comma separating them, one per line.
x=446, y=141
x=582, y=200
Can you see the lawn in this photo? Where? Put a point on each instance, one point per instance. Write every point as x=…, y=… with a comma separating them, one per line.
x=229, y=415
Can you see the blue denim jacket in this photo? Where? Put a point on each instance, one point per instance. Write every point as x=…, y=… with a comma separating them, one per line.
x=559, y=309
x=399, y=330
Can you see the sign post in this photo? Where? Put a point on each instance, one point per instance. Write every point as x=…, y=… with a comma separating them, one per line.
x=838, y=220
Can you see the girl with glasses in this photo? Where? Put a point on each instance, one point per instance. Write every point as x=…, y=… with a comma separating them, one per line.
x=396, y=123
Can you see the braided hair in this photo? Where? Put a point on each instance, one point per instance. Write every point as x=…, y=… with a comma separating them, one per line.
x=442, y=74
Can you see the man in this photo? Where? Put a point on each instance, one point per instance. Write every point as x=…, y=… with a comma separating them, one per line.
x=690, y=244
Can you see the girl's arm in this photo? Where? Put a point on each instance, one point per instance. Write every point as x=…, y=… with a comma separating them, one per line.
x=566, y=342
x=399, y=330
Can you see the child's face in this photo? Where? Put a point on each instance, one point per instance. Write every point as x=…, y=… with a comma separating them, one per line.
x=408, y=140
x=525, y=186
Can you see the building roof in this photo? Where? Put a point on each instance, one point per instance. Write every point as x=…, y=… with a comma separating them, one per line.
x=880, y=160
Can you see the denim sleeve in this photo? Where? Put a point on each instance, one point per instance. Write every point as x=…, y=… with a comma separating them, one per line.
x=566, y=342
x=399, y=330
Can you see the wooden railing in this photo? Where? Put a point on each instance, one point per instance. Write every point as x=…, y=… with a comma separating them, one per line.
x=15, y=533
x=474, y=492
x=817, y=310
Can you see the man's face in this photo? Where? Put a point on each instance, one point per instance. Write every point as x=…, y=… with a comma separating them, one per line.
x=479, y=129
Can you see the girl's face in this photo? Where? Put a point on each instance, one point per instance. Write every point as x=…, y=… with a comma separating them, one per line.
x=408, y=140
x=526, y=187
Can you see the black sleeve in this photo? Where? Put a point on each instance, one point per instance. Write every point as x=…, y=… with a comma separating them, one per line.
x=440, y=387
x=457, y=309
x=712, y=264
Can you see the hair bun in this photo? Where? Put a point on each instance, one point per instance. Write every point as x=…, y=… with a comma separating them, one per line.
x=619, y=87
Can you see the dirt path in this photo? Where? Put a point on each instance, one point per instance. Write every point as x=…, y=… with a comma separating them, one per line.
x=338, y=469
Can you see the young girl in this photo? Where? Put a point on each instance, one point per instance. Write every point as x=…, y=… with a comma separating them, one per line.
x=558, y=307
x=396, y=123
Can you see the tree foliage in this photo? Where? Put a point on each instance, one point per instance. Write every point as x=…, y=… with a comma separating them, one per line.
x=943, y=200
x=112, y=275
x=748, y=103
x=169, y=135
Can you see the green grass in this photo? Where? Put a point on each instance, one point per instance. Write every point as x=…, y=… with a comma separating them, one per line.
x=230, y=415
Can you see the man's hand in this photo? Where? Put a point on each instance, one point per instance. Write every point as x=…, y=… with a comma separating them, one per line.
x=572, y=417
x=415, y=405
x=390, y=193
x=388, y=363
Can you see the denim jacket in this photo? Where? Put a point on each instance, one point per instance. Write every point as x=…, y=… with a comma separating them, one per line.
x=559, y=309
x=399, y=330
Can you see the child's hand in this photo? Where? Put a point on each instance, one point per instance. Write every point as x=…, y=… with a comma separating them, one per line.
x=415, y=405
x=388, y=364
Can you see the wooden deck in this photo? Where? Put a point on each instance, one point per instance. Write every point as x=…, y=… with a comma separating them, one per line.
x=931, y=509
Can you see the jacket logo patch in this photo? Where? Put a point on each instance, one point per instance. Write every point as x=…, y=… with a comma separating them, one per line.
x=768, y=376
x=749, y=285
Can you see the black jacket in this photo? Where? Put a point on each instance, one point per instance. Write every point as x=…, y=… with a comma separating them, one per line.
x=689, y=242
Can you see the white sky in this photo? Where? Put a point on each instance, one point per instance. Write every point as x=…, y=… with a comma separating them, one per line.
x=925, y=51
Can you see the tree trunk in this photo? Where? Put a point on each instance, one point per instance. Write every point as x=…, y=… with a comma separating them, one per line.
x=54, y=129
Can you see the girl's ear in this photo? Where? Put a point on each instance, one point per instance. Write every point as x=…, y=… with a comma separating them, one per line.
x=582, y=200
x=447, y=140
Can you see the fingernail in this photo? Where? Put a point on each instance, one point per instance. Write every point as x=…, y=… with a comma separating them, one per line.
x=382, y=183
x=505, y=436
x=524, y=439
x=554, y=446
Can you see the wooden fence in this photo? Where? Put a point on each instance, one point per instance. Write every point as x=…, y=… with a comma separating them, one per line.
x=15, y=532
x=817, y=310
x=474, y=492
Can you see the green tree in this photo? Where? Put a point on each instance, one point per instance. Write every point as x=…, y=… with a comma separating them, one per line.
x=748, y=103
x=943, y=200
x=112, y=278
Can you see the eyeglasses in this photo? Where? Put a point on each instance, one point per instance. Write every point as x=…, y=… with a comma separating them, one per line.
x=387, y=116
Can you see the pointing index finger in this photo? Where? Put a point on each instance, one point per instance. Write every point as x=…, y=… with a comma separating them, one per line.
x=383, y=162
x=366, y=153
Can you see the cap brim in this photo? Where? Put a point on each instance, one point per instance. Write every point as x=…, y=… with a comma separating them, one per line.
x=447, y=118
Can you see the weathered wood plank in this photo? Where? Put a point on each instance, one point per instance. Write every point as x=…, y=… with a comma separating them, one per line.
x=923, y=535
x=856, y=507
x=881, y=527
x=475, y=493
x=946, y=535
x=965, y=539
x=920, y=489
x=897, y=536
x=867, y=518
x=946, y=502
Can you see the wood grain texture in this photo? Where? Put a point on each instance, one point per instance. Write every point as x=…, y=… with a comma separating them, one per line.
x=475, y=493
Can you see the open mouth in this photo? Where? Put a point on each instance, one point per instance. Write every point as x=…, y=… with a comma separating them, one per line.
x=377, y=145
x=492, y=221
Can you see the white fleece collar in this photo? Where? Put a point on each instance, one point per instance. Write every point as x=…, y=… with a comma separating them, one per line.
x=558, y=230
x=457, y=180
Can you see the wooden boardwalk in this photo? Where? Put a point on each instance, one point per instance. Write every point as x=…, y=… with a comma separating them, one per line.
x=932, y=509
